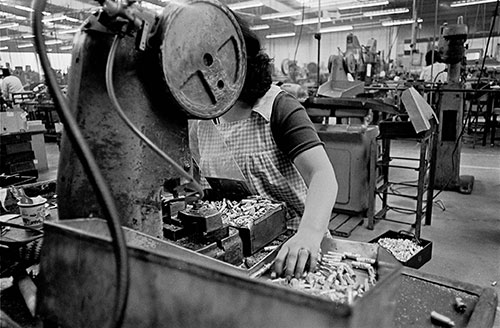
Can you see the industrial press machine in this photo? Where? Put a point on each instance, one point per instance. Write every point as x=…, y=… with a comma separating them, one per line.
x=164, y=75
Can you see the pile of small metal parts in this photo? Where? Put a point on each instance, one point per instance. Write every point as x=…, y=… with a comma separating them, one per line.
x=402, y=249
x=244, y=213
x=335, y=278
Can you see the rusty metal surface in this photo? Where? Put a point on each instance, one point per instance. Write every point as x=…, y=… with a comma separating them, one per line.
x=158, y=89
x=203, y=56
x=174, y=286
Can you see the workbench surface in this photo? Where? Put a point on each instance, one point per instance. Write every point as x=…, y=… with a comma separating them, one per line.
x=421, y=293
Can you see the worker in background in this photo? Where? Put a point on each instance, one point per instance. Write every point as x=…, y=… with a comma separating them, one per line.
x=435, y=71
x=270, y=138
x=10, y=84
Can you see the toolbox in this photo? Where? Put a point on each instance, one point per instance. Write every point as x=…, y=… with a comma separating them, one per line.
x=417, y=260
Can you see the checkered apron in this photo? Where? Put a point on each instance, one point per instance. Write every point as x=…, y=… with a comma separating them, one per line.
x=248, y=146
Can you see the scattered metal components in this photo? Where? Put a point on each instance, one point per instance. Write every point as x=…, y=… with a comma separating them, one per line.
x=361, y=265
x=460, y=305
x=334, y=279
x=366, y=260
x=442, y=320
x=266, y=267
x=352, y=256
x=270, y=248
x=243, y=213
x=402, y=249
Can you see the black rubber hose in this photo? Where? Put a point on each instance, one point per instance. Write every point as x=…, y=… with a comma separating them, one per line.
x=89, y=164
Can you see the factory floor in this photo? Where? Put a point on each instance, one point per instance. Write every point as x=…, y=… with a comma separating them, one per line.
x=465, y=229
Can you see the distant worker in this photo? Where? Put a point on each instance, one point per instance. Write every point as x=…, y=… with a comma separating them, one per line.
x=10, y=84
x=435, y=71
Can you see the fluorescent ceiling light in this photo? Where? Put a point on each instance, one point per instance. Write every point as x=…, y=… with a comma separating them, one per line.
x=394, y=11
x=8, y=25
x=24, y=8
x=11, y=16
x=312, y=21
x=66, y=47
x=73, y=30
x=401, y=22
x=280, y=15
x=25, y=45
x=5, y=38
x=52, y=42
x=470, y=3
x=60, y=26
x=364, y=4
x=4, y=48
x=53, y=18
x=259, y=27
x=336, y=29
x=280, y=35
x=245, y=5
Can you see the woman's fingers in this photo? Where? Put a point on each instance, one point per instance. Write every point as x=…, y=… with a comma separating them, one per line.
x=280, y=259
x=303, y=256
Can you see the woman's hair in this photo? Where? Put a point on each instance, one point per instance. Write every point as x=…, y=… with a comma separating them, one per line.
x=258, y=76
x=428, y=57
x=5, y=72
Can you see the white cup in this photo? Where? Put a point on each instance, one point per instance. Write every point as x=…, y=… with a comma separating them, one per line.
x=33, y=214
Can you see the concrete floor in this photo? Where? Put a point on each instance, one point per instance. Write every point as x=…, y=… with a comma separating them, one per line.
x=465, y=235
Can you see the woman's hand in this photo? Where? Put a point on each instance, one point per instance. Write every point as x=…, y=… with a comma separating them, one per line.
x=299, y=250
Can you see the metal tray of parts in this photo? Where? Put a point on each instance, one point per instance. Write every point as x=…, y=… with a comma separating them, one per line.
x=171, y=284
x=385, y=290
x=417, y=260
x=263, y=231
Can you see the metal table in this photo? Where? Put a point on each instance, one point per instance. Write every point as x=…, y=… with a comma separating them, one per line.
x=423, y=293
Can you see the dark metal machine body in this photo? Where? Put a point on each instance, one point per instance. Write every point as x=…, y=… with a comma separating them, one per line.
x=165, y=73
x=449, y=144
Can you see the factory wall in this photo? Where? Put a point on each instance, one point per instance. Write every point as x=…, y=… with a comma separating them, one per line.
x=59, y=61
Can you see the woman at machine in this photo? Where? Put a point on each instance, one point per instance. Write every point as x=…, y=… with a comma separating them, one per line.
x=276, y=148
x=435, y=71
